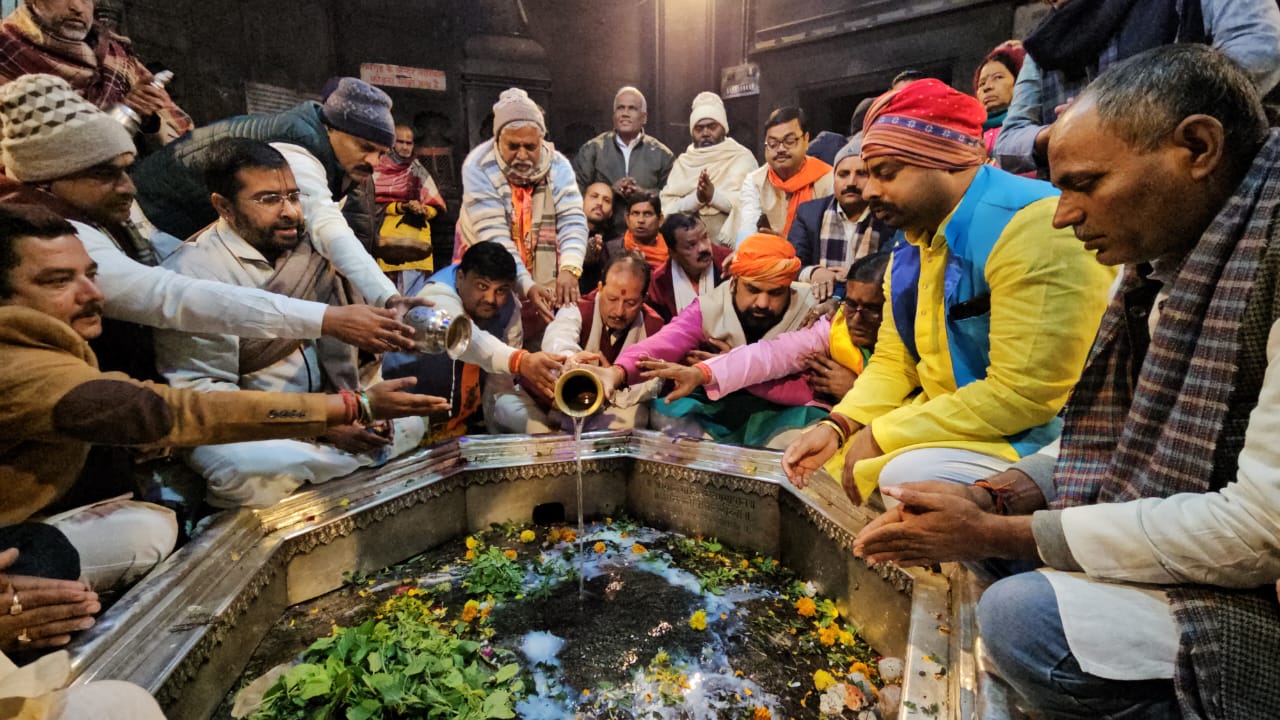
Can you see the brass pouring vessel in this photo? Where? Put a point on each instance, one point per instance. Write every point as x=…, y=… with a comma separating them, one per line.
x=579, y=393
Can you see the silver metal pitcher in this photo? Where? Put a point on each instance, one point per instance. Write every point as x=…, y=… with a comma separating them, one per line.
x=437, y=331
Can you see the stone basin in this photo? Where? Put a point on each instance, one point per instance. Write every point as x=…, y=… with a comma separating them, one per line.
x=186, y=632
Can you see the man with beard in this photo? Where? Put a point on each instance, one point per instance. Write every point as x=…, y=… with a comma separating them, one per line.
x=261, y=240
x=72, y=159
x=707, y=177
x=693, y=270
x=59, y=37
x=830, y=234
x=519, y=192
x=58, y=404
x=992, y=309
x=605, y=322
x=409, y=199
x=602, y=246
x=819, y=363
x=762, y=302
x=330, y=148
x=772, y=192
x=480, y=382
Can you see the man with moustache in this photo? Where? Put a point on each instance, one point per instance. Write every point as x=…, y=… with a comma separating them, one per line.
x=819, y=363
x=1161, y=516
x=602, y=245
x=58, y=404
x=60, y=37
x=261, y=240
x=761, y=302
x=65, y=155
x=481, y=382
x=707, y=177
x=830, y=234
x=520, y=192
x=330, y=147
x=991, y=308
x=693, y=270
x=605, y=322
x=771, y=193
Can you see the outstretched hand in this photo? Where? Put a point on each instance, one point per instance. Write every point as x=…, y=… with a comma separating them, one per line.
x=807, y=453
x=377, y=330
x=937, y=522
x=391, y=399
x=687, y=378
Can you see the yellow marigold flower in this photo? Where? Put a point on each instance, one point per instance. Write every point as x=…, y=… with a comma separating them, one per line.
x=471, y=555
x=586, y=692
x=528, y=536
x=806, y=607
x=761, y=713
x=511, y=554
x=608, y=521
x=470, y=611
x=600, y=547
x=827, y=635
x=553, y=535
x=822, y=680
x=639, y=549
x=472, y=543
x=699, y=620
x=846, y=637
x=744, y=565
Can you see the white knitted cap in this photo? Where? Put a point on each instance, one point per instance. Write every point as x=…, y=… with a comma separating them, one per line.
x=50, y=132
x=708, y=105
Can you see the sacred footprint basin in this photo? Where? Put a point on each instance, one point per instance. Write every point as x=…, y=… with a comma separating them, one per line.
x=188, y=631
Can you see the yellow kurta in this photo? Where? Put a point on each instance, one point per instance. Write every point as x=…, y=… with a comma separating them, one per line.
x=1047, y=297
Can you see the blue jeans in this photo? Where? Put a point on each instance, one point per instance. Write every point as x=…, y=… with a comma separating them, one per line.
x=1020, y=624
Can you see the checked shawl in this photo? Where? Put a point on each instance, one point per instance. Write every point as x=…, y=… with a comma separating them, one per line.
x=1183, y=429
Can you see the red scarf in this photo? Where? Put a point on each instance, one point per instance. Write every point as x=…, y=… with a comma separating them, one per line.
x=799, y=188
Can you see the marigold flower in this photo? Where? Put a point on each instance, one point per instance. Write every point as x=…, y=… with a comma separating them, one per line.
x=806, y=607
x=528, y=536
x=860, y=667
x=472, y=543
x=822, y=680
x=639, y=549
x=511, y=554
x=699, y=620
x=471, y=555
x=600, y=547
x=827, y=635
x=553, y=535
x=470, y=611
x=568, y=535
x=761, y=713
x=846, y=637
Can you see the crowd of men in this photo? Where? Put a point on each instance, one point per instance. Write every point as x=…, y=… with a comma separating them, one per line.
x=1067, y=382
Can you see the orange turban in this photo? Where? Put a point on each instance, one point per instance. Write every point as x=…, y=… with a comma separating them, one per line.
x=766, y=258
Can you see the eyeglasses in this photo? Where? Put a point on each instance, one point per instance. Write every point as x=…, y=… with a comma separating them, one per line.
x=870, y=312
x=275, y=200
x=787, y=142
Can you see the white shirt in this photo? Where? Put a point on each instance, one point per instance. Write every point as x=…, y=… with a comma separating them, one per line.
x=626, y=148
x=162, y=298
x=330, y=233
x=212, y=361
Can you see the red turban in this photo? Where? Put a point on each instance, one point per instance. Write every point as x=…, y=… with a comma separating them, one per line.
x=928, y=124
x=766, y=258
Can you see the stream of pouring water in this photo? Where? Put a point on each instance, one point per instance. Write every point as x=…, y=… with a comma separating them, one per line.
x=577, y=453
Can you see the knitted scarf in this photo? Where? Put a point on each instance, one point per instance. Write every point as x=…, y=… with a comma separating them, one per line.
x=799, y=187
x=533, y=216
x=1182, y=426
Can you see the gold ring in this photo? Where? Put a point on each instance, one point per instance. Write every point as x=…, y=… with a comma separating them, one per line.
x=23, y=637
x=15, y=607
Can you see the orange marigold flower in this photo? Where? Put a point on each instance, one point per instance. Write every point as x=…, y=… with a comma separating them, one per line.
x=761, y=713
x=600, y=547
x=470, y=611
x=639, y=549
x=806, y=607
x=471, y=555
x=827, y=635
x=568, y=535
x=511, y=554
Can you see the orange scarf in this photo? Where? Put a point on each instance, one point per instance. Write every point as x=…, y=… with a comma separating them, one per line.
x=800, y=187
x=656, y=253
x=521, y=219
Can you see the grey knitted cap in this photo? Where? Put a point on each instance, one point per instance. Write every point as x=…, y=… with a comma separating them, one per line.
x=357, y=108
